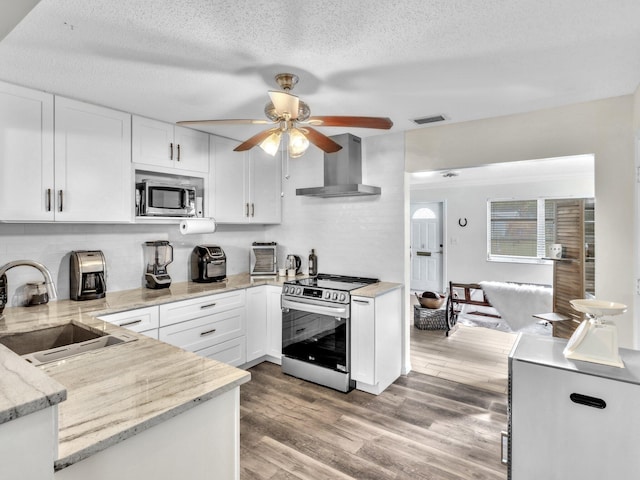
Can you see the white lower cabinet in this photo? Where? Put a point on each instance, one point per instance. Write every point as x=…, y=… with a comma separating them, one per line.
x=264, y=323
x=274, y=323
x=199, y=324
x=256, y=323
x=376, y=341
x=571, y=419
x=142, y=320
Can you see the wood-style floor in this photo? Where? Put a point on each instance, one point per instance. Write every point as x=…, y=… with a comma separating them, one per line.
x=421, y=427
x=475, y=356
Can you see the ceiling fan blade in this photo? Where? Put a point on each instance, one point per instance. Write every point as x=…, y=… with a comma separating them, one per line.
x=285, y=103
x=255, y=140
x=320, y=140
x=383, y=123
x=228, y=121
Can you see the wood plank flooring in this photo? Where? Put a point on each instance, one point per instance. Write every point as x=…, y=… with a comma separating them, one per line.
x=422, y=427
x=475, y=356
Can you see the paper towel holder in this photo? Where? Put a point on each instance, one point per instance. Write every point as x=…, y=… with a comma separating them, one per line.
x=191, y=226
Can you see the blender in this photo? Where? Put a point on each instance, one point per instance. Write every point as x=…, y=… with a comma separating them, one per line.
x=158, y=254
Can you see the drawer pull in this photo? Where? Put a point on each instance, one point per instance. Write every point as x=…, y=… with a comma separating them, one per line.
x=209, y=305
x=366, y=302
x=300, y=330
x=587, y=400
x=132, y=322
x=208, y=332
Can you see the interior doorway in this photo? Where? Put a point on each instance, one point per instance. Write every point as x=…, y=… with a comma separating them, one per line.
x=427, y=254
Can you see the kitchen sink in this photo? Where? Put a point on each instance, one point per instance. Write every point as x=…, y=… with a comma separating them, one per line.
x=62, y=341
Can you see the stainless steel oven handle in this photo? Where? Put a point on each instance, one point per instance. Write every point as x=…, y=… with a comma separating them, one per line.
x=341, y=311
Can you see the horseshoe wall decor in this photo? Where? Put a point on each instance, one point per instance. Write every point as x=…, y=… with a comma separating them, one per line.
x=462, y=222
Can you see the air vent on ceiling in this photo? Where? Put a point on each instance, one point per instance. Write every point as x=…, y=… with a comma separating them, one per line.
x=433, y=119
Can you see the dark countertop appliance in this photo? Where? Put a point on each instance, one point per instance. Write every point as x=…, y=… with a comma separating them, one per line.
x=316, y=329
x=208, y=264
x=87, y=275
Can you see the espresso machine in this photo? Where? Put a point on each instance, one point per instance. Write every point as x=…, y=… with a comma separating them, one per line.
x=157, y=255
x=87, y=275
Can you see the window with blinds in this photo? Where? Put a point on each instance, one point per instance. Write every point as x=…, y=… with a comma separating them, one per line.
x=520, y=229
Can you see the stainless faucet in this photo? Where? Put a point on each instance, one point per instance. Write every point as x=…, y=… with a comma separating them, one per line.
x=48, y=281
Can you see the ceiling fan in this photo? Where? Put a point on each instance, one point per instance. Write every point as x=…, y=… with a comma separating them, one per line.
x=290, y=115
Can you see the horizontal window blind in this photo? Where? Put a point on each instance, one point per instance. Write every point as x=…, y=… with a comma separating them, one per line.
x=514, y=228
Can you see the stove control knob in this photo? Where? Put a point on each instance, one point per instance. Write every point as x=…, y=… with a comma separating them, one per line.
x=343, y=297
x=285, y=289
x=298, y=291
x=327, y=295
x=335, y=295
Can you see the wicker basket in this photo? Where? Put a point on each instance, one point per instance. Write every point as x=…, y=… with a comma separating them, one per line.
x=429, y=319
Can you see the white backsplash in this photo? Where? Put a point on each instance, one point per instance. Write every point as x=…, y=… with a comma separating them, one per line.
x=352, y=235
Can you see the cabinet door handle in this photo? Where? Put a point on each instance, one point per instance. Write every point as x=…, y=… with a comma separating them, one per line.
x=366, y=302
x=209, y=305
x=208, y=332
x=588, y=401
x=253, y=209
x=48, y=199
x=178, y=156
x=132, y=322
x=171, y=151
x=60, y=200
x=247, y=210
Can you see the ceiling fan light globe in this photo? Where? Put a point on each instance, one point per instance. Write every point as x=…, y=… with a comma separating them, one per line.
x=271, y=144
x=298, y=143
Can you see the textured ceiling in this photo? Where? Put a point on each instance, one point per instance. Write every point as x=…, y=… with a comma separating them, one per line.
x=192, y=59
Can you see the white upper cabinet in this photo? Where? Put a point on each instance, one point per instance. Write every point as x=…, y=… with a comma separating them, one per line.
x=247, y=186
x=26, y=154
x=93, y=180
x=160, y=144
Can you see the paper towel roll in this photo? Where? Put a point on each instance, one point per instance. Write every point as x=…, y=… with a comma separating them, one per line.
x=192, y=226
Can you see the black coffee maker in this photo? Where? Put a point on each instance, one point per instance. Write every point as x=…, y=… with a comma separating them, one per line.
x=87, y=275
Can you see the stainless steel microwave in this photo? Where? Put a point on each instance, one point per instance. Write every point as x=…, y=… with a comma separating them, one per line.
x=165, y=199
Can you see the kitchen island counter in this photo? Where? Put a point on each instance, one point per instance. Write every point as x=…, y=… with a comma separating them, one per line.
x=116, y=392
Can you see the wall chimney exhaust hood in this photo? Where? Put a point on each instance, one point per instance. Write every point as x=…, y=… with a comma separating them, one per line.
x=342, y=172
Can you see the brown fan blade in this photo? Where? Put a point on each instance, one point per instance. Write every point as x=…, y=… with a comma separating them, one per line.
x=255, y=140
x=228, y=121
x=383, y=123
x=319, y=140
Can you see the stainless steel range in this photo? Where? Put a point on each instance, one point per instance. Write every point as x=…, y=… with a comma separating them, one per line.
x=316, y=328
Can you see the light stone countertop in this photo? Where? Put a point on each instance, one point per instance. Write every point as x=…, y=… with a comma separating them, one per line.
x=376, y=289
x=114, y=393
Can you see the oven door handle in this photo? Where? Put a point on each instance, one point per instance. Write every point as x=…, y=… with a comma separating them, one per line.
x=338, y=312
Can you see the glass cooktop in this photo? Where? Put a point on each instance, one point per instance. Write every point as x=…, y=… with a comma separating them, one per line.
x=334, y=282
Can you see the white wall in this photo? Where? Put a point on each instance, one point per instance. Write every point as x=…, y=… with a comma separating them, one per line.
x=604, y=128
x=466, y=250
x=51, y=245
x=351, y=235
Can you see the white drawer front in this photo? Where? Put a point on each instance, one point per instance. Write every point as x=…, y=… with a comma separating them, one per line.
x=209, y=329
x=232, y=352
x=184, y=310
x=139, y=320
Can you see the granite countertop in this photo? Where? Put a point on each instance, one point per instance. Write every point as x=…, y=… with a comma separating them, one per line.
x=108, y=395
x=376, y=289
x=133, y=386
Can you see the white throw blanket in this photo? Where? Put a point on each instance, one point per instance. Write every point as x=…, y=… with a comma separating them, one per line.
x=517, y=303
